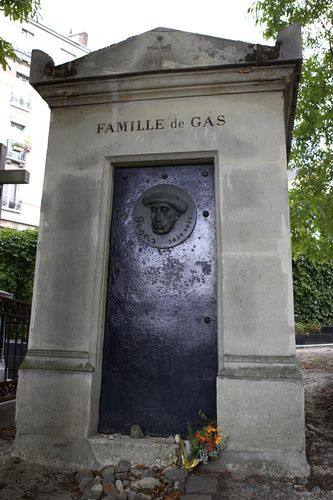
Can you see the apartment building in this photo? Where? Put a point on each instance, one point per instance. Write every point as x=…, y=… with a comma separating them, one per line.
x=25, y=117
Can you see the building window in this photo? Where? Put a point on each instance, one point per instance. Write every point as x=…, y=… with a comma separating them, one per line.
x=19, y=101
x=17, y=152
x=10, y=200
x=23, y=78
x=16, y=130
x=27, y=34
x=17, y=146
x=25, y=43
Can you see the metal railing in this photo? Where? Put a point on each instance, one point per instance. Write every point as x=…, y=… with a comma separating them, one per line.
x=11, y=204
x=26, y=51
x=14, y=332
x=16, y=151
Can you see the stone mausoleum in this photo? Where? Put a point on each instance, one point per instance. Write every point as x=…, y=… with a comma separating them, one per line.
x=163, y=282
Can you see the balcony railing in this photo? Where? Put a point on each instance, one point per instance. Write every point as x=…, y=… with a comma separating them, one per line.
x=17, y=151
x=25, y=51
x=20, y=101
x=11, y=204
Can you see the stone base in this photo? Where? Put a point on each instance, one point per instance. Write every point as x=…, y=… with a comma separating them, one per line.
x=7, y=413
x=72, y=454
x=261, y=410
x=100, y=451
x=151, y=451
x=260, y=403
x=95, y=452
x=272, y=463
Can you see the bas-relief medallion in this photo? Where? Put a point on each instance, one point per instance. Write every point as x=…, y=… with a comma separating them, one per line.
x=164, y=216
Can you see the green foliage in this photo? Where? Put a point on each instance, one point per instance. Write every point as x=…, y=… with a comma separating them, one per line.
x=306, y=328
x=20, y=10
x=300, y=327
x=313, y=328
x=6, y=50
x=311, y=199
x=313, y=293
x=17, y=10
x=17, y=262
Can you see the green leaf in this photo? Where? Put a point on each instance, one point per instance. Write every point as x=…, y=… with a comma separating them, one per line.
x=17, y=10
x=6, y=52
x=311, y=199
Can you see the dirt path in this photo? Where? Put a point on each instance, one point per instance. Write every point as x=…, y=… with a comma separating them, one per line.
x=317, y=369
x=19, y=480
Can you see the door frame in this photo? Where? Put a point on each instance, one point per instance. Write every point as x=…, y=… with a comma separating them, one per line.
x=103, y=247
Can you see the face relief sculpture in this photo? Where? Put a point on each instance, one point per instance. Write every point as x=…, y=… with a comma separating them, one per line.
x=164, y=216
x=165, y=211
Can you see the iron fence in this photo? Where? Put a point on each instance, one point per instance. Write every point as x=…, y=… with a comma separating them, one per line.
x=14, y=331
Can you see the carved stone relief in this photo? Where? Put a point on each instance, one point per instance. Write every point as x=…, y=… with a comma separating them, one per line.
x=164, y=216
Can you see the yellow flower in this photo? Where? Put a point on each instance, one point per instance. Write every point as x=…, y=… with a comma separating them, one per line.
x=218, y=440
x=211, y=429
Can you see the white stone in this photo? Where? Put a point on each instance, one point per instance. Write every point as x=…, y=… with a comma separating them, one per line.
x=170, y=439
x=148, y=483
x=97, y=487
x=119, y=486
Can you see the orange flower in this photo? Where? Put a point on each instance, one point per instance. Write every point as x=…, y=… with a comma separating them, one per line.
x=201, y=438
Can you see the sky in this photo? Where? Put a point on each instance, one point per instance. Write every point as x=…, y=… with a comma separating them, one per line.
x=108, y=22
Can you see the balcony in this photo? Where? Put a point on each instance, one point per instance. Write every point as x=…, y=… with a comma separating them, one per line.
x=17, y=152
x=9, y=203
x=10, y=198
x=23, y=51
x=21, y=102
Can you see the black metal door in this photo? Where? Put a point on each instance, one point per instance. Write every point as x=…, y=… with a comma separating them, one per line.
x=160, y=348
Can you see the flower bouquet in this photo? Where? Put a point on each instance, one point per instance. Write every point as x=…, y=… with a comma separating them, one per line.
x=203, y=444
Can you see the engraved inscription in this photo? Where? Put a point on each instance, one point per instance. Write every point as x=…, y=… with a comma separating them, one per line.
x=186, y=229
x=144, y=124
x=140, y=231
x=164, y=216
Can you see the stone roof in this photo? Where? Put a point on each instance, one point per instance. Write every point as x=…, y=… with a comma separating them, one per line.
x=164, y=49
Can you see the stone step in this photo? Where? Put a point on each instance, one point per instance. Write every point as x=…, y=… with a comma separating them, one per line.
x=201, y=484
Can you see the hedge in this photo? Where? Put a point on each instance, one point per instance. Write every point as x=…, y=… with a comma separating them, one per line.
x=313, y=291
x=17, y=261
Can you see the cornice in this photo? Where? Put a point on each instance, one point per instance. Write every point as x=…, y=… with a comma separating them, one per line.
x=168, y=84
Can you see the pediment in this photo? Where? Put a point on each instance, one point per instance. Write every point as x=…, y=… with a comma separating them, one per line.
x=160, y=49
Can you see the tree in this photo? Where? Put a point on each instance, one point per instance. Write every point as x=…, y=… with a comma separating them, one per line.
x=17, y=10
x=311, y=199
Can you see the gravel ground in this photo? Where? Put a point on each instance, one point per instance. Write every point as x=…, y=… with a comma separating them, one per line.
x=19, y=480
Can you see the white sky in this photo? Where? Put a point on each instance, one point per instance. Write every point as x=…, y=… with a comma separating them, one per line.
x=109, y=21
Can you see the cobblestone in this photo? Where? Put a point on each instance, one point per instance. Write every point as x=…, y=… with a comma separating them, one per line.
x=201, y=484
